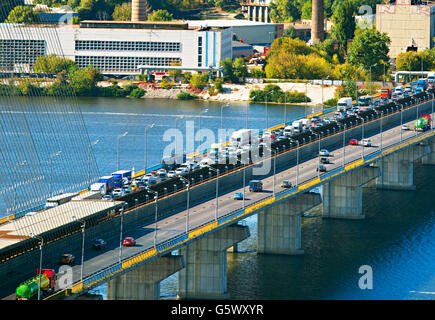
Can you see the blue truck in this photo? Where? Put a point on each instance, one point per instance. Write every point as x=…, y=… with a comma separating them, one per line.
x=422, y=83
x=104, y=185
x=121, y=177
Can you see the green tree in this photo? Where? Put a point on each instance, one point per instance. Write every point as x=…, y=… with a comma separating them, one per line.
x=290, y=32
x=344, y=22
x=228, y=69
x=160, y=15
x=122, y=12
x=283, y=11
x=240, y=69
x=52, y=64
x=84, y=81
x=7, y=6
x=22, y=14
x=368, y=48
x=199, y=81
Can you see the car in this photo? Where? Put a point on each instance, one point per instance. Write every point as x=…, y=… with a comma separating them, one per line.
x=405, y=127
x=324, y=160
x=353, y=142
x=67, y=258
x=99, y=244
x=321, y=168
x=181, y=170
x=117, y=193
x=107, y=197
x=324, y=153
x=286, y=184
x=171, y=174
x=238, y=196
x=366, y=142
x=127, y=189
x=129, y=242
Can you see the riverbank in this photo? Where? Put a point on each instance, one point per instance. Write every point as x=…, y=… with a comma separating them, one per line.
x=240, y=92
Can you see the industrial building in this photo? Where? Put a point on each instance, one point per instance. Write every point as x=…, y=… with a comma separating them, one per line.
x=409, y=26
x=251, y=32
x=116, y=47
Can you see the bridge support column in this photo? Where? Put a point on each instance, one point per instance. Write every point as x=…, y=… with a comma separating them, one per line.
x=143, y=283
x=205, y=274
x=430, y=158
x=279, y=227
x=397, y=170
x=342, y=197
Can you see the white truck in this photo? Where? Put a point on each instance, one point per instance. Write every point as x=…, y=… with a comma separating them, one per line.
x=306, y=123
x=344, y=104
x=288, y=130
x=243, y=137
x=431, y=77
x=297, y=126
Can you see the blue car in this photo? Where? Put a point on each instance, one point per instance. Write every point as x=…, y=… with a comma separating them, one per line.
x=255, y=186
x=238, y=196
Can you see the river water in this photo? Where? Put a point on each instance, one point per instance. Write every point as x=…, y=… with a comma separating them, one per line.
x=396, y=240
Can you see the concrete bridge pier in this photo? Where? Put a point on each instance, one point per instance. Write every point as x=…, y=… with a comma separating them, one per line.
x=205, y=274
x=143, y=283
x=279, y=227
x=342, y=197
x=397, y=170
x=430, y=158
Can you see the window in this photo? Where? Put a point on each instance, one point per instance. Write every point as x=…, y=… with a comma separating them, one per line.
x=87, y=45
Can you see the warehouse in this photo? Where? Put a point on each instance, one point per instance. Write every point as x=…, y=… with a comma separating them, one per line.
x=115, y=47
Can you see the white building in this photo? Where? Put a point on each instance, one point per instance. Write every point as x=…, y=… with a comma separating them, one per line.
x=116, y=48
x=252, y=32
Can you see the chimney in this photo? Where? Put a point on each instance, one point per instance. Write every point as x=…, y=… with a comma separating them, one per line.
x=317, y=28
x=139, y=10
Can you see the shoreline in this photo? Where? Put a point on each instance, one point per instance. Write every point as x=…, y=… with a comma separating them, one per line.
x=240, y=92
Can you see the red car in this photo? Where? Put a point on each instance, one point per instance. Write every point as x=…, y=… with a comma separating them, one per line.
x=353, y=142
x=67, y=258
x=129, y=242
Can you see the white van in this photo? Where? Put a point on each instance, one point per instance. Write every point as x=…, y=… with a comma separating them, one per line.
x=366, y=142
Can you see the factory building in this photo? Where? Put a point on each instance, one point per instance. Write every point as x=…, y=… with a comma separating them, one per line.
x=410, y=26
x=116, y=47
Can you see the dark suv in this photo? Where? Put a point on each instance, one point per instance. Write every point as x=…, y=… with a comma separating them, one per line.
x=99, y=244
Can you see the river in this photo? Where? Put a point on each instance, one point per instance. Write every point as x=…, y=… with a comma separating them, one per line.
x=396, y=240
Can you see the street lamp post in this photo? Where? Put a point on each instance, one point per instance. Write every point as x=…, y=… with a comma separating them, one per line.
x=199, y=127
x=156, y=196
x=120, y=234
x=362, y=137
x=89, y=159
x=176, y=119
x=187, y=212
x=274, y=169
x=371, y=77
x=40, y=261
x=51, y=169
x=297, y=164
x=121, y=135
x=401, y=121
x=382, y=115
x=83, y=226
x=22, y=163
x=344, y=145
x=217, y=191
x=267, y=113
x=145, y=156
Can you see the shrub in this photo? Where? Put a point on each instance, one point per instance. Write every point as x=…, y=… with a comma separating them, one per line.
x=137, y=93
x=186, y=96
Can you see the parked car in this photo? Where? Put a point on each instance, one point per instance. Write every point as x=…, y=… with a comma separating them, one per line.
x=321, y=168
x=405, y=127
x=286, y=184
x=238, y=196
x=107, y=197
x=99, y=244
x=353, y=142
x=129, y=242
x=324, y=153
x=67, y=258
x=181, y=170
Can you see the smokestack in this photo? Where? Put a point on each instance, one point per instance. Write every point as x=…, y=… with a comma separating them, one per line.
x=139, y=10
x=317, y=28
